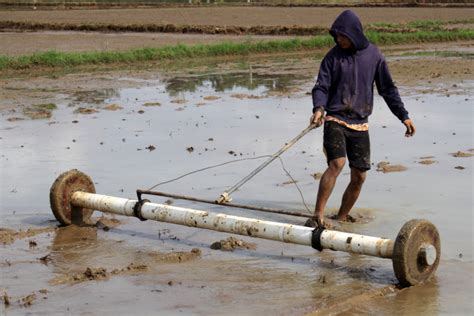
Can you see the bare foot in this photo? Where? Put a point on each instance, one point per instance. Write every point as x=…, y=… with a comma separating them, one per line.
x=317, y=222
x=348, y=219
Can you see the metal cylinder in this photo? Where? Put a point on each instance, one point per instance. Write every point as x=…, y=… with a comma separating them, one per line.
x=289, y=233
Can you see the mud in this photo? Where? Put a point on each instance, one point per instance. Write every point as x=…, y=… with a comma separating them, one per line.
x=106, y=223
x=386, y=167
x=278, y=278
x=97, y=274
x=9, y=236
x=346, y=306
x=232, y=243
x=427, y=162
x=462, y=154
x=234, y=16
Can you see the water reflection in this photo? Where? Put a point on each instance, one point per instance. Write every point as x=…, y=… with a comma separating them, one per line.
x=95, y=96
x=231, y=81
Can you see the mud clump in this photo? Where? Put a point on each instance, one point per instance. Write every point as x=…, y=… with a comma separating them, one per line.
x=179, y=256
x=85, y=111
x=211, y=98
x=427, y=162
x=245, y=96
x=461, y=154
x=15, y=119
x=106, y=223
x=113, y=107
x=231, y=243
x=40, y=111
x=8, y=236
x=386, y=167
x=152, y=104
x=27, y=300
x=348, y=219
x=6, y=299
x=96, y=274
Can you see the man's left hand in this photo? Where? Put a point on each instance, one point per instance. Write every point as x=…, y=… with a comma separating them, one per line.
x=410, y=128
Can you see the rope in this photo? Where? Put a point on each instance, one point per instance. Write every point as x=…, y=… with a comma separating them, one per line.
x=233, y=161
x=206, y=168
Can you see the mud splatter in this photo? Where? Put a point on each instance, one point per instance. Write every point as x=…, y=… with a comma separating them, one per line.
x=232, y=243
x=317, y=175
x=386, y=167
x=8, y=236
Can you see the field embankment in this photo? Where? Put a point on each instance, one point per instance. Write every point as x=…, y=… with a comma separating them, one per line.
x=208, y=32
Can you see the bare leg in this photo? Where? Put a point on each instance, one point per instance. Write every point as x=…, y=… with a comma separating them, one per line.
x=352, y=192
x=326, y=185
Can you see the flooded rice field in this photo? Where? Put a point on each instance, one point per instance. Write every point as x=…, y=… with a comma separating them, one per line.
x=132, y=129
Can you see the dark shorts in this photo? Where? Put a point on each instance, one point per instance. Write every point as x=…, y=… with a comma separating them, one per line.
x=340, y=141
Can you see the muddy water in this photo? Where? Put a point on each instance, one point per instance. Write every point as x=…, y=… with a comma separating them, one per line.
x=200, y=117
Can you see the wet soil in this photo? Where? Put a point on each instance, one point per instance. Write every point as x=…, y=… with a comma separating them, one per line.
x=462, y=154
x=235, y=16
x=232, y=243
x=8, y=236
x=276, y=278
x=427, y=162
x=385, y=167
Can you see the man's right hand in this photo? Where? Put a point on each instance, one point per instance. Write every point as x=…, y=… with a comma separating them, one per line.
x=317, y=119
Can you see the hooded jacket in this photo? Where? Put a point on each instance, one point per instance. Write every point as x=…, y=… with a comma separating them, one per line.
x=345, y=83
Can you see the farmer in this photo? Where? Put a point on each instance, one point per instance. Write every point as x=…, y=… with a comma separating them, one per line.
x=344, y=91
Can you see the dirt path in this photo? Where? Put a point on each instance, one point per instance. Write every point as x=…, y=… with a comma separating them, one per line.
x=236, y=16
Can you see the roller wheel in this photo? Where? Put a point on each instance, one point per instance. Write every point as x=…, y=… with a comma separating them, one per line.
x=416, y=252
x=60, y=196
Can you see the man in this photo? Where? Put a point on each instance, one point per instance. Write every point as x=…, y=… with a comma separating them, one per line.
x=344, y=90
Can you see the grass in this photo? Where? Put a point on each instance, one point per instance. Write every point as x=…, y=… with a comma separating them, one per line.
x=181, y=52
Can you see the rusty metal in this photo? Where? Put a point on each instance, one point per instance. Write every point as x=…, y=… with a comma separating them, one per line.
x=242, y=206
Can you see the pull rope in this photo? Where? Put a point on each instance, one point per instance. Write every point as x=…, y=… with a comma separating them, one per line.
x=233, y=161
x=206, y=168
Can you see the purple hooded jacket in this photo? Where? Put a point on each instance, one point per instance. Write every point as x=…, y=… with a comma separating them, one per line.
x=345, y=84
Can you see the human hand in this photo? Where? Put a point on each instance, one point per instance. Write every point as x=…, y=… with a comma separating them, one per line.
x=316, y=119
x=410, y=128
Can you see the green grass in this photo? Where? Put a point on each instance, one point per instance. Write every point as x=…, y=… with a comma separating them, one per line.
x=421, y=24
x=180, y=52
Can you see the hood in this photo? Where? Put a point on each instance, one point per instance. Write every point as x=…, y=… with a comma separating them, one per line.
x=348, y=24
